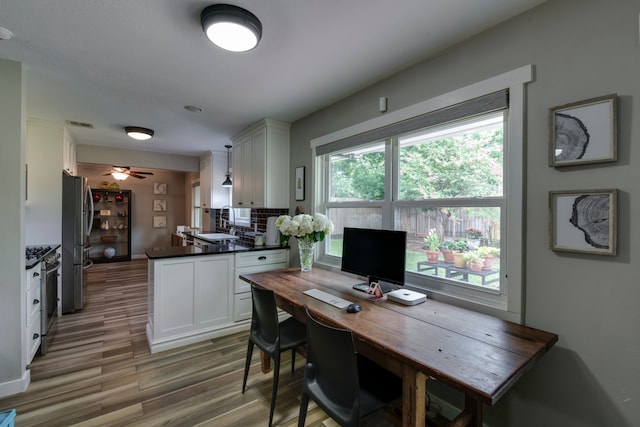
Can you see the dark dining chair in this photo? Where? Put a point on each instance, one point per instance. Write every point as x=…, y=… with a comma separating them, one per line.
x=272, y=337
x=344, y=384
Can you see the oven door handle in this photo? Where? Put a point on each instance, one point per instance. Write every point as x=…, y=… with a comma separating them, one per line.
x=88, y=263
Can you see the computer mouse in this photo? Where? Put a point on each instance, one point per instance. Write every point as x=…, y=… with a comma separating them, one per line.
x=353, y=308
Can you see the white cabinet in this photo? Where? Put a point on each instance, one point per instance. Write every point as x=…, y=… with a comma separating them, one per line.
x=189, y=295
x=199, y=297
x=68, y=154
x=253, y=262
x=33, y=325
x=261, y=166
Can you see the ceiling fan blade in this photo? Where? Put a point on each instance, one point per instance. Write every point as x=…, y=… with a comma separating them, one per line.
x=135, y=175
x=142, y=173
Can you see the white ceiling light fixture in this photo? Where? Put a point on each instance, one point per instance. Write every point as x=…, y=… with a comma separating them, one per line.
x=141, y=134
x=227, y=182
x=231, y=27
x=119, y=176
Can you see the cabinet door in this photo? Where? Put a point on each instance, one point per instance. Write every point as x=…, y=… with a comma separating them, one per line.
x=212, y=291
x=237, y=173
x=259, y=160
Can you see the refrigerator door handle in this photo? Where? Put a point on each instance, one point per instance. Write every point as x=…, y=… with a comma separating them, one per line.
x=90, y=213
x=87, y=264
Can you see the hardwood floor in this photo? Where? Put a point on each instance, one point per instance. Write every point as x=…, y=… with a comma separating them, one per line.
x=99, y=371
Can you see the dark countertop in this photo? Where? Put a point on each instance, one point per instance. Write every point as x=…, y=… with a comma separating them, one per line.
x=34, y=260
x=218, y=248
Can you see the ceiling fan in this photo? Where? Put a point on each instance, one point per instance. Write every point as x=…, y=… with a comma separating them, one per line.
x=123, y=172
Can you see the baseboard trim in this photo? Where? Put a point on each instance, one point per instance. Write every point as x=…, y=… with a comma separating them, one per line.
x=16, y=386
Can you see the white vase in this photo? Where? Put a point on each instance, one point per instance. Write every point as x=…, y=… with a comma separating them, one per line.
x=305, y=248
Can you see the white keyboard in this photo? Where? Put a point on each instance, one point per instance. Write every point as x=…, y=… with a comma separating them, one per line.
x=328, y=298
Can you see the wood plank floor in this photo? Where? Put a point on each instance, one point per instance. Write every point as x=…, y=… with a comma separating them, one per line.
x=99, y=371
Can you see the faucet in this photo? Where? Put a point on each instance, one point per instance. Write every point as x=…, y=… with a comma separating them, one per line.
x=232, y=229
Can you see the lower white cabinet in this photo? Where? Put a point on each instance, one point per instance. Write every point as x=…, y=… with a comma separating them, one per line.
x=32, y=302
x=195, y=298
x=253, y=262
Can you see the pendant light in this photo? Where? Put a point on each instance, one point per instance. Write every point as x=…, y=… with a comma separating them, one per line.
x=231, y=27
x=227, y=182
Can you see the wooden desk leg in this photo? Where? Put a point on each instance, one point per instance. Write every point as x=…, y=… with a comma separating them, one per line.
x=475, y=408
x=414, y=393
x=471, y=416
x=265, y=362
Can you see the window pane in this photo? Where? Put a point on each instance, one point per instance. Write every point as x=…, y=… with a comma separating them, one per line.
x=462, y=159
x=349, y=217
x=462, y=229
x=357, y=174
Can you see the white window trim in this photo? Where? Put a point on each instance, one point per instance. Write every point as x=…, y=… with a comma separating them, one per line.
x=512, y=268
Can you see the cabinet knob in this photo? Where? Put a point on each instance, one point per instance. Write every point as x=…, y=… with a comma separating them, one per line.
x=36, y=301
x=36, y=274
x=262, y=258
x=36, y=336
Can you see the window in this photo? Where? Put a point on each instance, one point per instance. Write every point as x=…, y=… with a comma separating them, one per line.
x=450, y=174
x=196, y=211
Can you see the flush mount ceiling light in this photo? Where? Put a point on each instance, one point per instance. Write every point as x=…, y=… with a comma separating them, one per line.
x=141, y=134
x=227, y=182
x=231, y=27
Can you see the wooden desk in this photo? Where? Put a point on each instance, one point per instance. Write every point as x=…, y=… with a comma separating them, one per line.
x=480, y=355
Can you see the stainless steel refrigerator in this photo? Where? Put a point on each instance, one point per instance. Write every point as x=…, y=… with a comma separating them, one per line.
x=77, y=221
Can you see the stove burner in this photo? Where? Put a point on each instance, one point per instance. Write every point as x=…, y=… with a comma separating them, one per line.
x=35, y=254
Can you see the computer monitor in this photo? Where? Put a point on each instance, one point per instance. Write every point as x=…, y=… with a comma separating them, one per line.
x=378, y=255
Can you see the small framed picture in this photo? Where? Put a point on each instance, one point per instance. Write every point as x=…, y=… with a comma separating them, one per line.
x=160, y=205
x=583, y=221
x=159, y=188
x=584, y=132
x=300, y=183
x=159, y=221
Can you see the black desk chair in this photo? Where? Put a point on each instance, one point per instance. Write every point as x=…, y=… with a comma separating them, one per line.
x=271, y=337
x=344, y=384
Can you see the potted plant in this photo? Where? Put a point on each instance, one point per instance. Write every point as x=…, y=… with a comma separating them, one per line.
x=473, y=237
x=433, y=242
x=447, y=247
x=459, y=247
x=488, y=254
x=474, y=261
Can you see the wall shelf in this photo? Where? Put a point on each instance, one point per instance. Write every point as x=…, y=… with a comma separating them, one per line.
x=111, y=221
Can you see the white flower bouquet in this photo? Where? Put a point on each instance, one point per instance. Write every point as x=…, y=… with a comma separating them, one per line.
x=304, y=227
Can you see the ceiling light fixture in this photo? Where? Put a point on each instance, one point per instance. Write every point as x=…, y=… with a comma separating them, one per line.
x=119, y=176
x=231, y=27
x=141, y=134
x=227, y=182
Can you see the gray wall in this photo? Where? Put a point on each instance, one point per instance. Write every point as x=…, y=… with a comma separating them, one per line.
x=580, y=49
x=12, y=187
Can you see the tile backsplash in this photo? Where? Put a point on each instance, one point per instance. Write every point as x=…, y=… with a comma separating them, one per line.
x=245, y=234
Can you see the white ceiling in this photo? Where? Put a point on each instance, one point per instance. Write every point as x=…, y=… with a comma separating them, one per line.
x=114, y=63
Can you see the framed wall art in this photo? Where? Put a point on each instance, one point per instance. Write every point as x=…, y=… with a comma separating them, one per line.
x=159, y=221
x=583, y=221
x=584, y=132
x=160, y=205
x=159, y=188
x=300, y=183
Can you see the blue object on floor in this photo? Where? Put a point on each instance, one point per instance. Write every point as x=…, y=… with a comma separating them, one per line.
x=6, y=418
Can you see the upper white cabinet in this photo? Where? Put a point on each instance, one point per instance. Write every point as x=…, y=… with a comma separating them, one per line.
x=205, y=189
x=68, y=154
x=261, y=166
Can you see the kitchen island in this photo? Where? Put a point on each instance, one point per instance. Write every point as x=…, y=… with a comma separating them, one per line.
x=194, y=292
